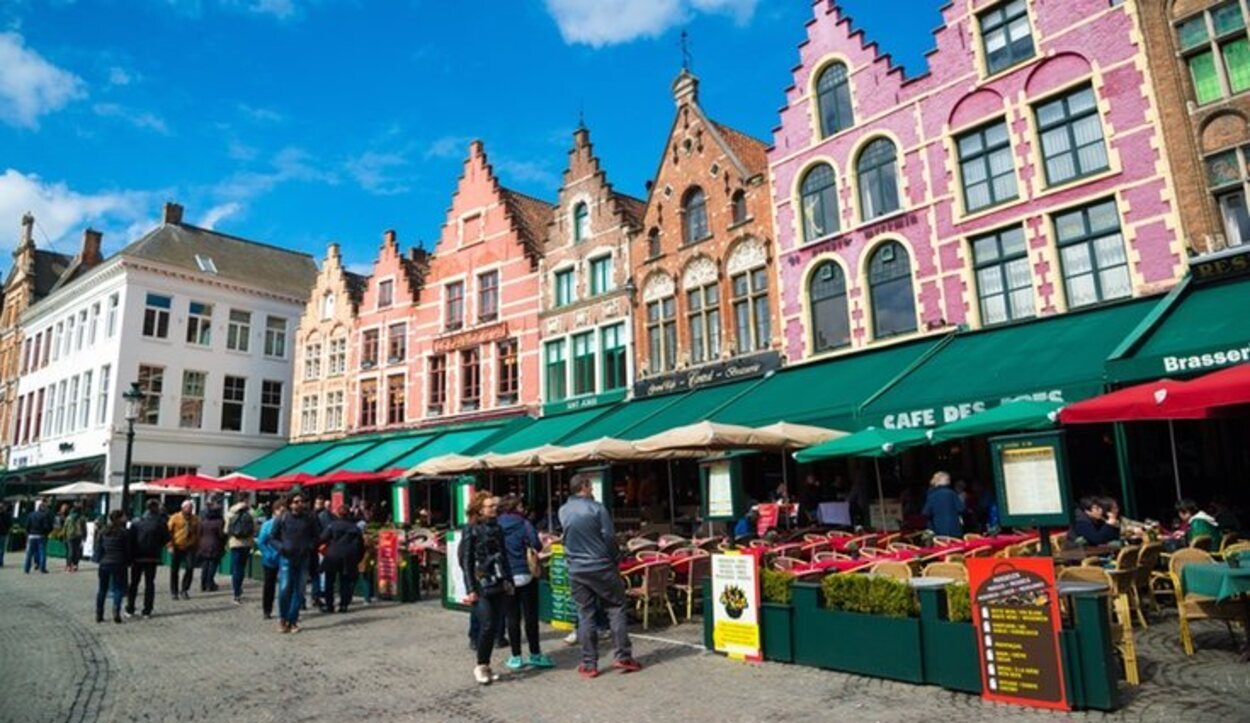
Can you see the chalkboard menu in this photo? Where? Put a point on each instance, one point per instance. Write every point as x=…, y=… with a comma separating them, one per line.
x=563, y=609
x=1015, y=609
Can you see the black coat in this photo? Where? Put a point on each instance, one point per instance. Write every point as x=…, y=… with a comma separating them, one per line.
x=485, y=558
x=212, y=537
x=40, y=522
x=296, y=535
x=113, y=548
x=346, y=544
x=148, y=536
x=1095, y=532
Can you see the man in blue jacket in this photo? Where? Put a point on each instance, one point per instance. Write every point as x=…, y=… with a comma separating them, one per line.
x=296, y=534
x=269, y=559
x=590, y=549
x=943, y=507
x=39, y=525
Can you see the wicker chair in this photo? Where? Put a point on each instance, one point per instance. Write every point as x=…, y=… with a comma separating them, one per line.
x=1201, y=542
x=653, y=588
x=873, y=552
x=892, y=568
x=953, y=570
x=698, y=565
x=648, y=555
x=827, y=556
x=1121, y=615
x=897, y=546
x=637, y=544
x=786, y=564
x=1228, y=541
x=1147, y=560
x=968, y=537
x=1190, y=606
x=671, y=542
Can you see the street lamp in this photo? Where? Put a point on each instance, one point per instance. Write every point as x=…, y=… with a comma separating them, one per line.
x=134, y=404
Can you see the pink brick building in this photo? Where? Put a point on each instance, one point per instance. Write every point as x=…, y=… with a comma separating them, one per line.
x=1021, y=176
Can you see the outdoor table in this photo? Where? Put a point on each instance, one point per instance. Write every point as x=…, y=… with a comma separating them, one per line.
x=1066, y=587
x=1223, y=583
x=1076, y=555
x=921, y=583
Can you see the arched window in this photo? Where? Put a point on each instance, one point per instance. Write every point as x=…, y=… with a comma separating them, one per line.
x=878, y=179
x=653, y=243
x=890, y=292
x=581, y=222
x=694, y=206
x=831, y=325
x=327, y=305
x=833, y=96
x=739, y=201
x=820, y=202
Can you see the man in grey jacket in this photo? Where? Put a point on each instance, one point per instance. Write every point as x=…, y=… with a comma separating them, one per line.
x=590, y=549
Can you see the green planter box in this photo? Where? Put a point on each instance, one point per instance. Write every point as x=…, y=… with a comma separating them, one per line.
x=874, y=645
x=56, y=548
x=776, y=632
x=951, y=658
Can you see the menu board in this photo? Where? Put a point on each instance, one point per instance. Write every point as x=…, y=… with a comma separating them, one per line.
x=720, y=491
x=388, y=563
x=595, y=476
x=563, y=609
x=1031, y=474
x=736, y=606
x=454, y=588
x=1015, y=609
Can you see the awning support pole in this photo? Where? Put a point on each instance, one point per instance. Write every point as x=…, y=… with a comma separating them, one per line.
x=672, y=501
x=1176, y=465
x=876, y=464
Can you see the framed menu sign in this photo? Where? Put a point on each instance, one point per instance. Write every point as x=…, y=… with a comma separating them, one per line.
x=723, y=498
x=1031, y=473
x=1015, y=612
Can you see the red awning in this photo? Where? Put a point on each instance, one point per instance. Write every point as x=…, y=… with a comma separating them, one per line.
x=195, y=482
x=346, y=477
x=1226, y=388
x=1158, y=400
x=275, y=484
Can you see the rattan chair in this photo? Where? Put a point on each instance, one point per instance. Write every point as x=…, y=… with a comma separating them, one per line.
x=892, y=568
x=827, y=556
x=698, y=566
x=1190, y=606
x=953, y=570
x=1201, y=542
x=786, y=564
x=638, y=544
x=968, y=537
x=1121, y=615
x=653, y=588
x=896, y=546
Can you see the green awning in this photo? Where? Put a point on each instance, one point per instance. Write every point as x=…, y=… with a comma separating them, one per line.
x=451, y=442
x=871, y=442
x=1019, y=416
x=1058, y=358
x=383, y=456
x=621, y=417
x=282, y=459
x=691, y=407
x=823, y=393
x=330, y=459
x=551, y=429
x=1198, y=329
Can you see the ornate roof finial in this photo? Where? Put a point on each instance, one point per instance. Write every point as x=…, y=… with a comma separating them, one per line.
x=685, y=51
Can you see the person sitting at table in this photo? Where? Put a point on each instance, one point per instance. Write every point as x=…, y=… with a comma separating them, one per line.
x=1198, y=522
x=1094, y=524
x=943, y=507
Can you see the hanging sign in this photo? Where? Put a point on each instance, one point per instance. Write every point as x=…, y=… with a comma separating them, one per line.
x=1015, y=611
x=388, y=563
x=736, y=606
x=563, y=608
x=399, y=502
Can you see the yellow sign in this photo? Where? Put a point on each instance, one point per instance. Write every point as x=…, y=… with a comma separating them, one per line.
x=736, y=606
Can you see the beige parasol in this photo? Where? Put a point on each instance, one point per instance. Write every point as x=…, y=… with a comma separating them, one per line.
x=802, y=435
x=445, y=466
x=711, y=437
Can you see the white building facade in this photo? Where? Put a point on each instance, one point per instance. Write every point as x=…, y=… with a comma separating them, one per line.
x=204, y=323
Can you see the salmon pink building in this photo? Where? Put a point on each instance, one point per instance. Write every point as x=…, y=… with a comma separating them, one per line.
x=1020, y=176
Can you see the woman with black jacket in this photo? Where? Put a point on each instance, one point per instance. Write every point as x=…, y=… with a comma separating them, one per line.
x=112, y=552
x=488, y=578
x=211, y=547
x=345, y=545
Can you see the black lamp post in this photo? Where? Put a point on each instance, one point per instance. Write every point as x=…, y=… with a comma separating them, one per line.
x=134, y=403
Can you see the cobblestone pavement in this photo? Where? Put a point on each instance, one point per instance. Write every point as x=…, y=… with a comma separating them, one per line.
x=206, y=659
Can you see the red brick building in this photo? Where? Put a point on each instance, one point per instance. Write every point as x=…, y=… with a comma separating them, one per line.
x=705, y=308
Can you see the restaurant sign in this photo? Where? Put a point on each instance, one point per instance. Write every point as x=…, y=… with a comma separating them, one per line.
x=472, y=337
x=934, y=416
x=1015, y=611
x=1219, y=266
x=1031, y=477
x=736, y=606
x=709, y=374
x=572, y=405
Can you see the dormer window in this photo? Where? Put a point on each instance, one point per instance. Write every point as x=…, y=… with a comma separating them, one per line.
x=386, y=293
x=581, y=222
x=206, y=264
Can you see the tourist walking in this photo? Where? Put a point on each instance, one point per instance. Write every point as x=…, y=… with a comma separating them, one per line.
x=488, y=578
x=112, y=552
x=211, y=547
x=39, y=524
x=269, y=560
x=6, y=526
x=148, y=536
x=521, y=541
x=74, y=529
x=943, y=507
x=345, y=546
x=184, y=538
x=320, y=511
x=296, y=535
x=592, y=555
x=240, y=530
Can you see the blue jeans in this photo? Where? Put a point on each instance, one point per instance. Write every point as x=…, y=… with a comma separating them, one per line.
x=291, y=572
x=238, y=567
x=112, y=580
x=37, y=549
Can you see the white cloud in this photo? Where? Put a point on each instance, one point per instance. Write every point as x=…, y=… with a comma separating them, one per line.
x=607, y=22
x=30, y=86
x=449, y=147
x=137, y=118
x=219, y=213
x=290, y=164
x=281, y=9
x=261, y=115
x=511, y=171
x=119, y=76
x=376, y=172
x=239, y=151
x=60, y=211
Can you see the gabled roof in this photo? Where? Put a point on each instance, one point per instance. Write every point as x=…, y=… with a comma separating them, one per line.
x=355, y=286
x=633, y=208
x=290, y=273
x=752, y=152
x=530, y=216
x=50, y=269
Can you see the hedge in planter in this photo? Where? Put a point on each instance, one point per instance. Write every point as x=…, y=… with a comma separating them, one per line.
x=951, y=659
x=776, y=615
x=865, y=627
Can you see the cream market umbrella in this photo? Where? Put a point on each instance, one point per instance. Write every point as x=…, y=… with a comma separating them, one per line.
x=76, y=488
x=522, y=459
x=157, y=489
x=711, y=436
x=445, y=466
x=802, y=435
x=604, y=449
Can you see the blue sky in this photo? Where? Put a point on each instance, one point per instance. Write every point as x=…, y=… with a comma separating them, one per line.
x=298, y=122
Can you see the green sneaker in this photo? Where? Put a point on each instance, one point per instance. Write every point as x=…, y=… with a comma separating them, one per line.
x=541, y=661
x=515, y=662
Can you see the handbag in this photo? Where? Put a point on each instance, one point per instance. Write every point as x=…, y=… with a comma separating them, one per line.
x=533, y=563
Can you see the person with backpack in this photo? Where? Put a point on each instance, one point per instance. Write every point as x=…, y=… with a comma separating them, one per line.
x=112, y=552
x=148, y=536
x=212, y=545
x=345, y=546
x=269, y=560
x=184, y=538
x=240, y=529
x=74, y=529
x=488, y=578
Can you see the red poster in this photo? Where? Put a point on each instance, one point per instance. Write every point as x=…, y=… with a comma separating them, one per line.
x=767, y=519
x=388, y=563
x=1015, y=608
x=336, y=499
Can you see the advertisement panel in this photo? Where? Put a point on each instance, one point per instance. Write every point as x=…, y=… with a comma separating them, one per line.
x=736, y=606
x=388, y=563
x=563, y=609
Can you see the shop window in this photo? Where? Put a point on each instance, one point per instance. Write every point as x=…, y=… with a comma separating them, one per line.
x=1071, y=135
x=878, y=179
x=890, y=291
x=833, y=98
x=831, y=324
x=1004, y=281
x=986, y=166
x=819, y=198
x=1091, y=253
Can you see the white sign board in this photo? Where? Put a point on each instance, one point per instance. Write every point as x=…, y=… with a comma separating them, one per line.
x=720, y=491
x=736, y=606
x=456, y=589
x=88, y=542
x=1031, y=481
